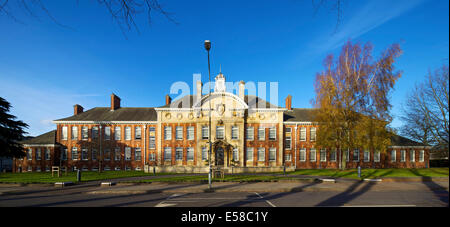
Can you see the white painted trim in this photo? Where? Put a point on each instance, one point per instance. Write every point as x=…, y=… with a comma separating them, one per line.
x=301, y=123
x=41, y=145
x=105, y=122
x=406, y=147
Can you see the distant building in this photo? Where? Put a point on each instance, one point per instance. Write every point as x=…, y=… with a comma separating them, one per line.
x=248, y=134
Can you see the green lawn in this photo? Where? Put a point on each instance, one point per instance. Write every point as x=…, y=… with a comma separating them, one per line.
x=46, y=177
x=375, y=173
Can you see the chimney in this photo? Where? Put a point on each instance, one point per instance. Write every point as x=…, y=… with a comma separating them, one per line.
x=199, y=91
x=242, y=90
x=168, y=100
x=77, y=109
x=115, y=102
x=289, y=102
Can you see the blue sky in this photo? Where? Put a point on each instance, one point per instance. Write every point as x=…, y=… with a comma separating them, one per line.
x=45, y=69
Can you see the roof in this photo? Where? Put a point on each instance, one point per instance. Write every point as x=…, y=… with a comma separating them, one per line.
x=250, y=100
x=300, y=115
x=46, y=138
x=121, y=114
x=397, y=140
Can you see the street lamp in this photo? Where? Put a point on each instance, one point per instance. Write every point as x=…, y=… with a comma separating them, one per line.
x=207, y=48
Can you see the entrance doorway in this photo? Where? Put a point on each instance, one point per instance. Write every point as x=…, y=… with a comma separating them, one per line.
x=219, y=157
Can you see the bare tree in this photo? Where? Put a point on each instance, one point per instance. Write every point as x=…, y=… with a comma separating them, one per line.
x=334, y=5
x=426, y=115
x=123, y=12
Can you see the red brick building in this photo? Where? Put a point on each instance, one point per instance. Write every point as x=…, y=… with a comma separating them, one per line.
x=248, y=134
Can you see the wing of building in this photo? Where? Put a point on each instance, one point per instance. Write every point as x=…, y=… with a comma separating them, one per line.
x=248, y=134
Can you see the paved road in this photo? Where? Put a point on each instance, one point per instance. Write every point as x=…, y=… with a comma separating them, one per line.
x=78, y=195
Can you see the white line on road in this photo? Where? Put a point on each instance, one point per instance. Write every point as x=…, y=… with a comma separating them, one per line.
x=407, y=205
x=267, y=201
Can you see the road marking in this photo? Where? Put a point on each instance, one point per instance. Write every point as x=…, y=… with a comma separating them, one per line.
x=378, y=205
x=267, y=201
x=162, y=204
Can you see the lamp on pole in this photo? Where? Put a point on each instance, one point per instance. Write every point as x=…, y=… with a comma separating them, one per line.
x=208, y=47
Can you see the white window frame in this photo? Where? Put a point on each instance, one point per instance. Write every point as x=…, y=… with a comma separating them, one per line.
x=47, y=154
x=273, y=133
x=250, y=136
x=190, y=133
x=355, y=151
x=312, y=134
x=413, y=158
x=107, y=154
x=117, y=154
x=64, y=133
x=393, y=156
x=333, y=153
x=234, y=132
x=137, y=154
x=205, y=132
x=107, y=133
x=377, y=156
x=204, y=153
x=261, y=136
x=323, y=158
x=167, y=132
x=178, y=151
x=84, y=154
x=137, y=132
x=117, y=133
x=128, y=133
x=190, y=154
x=421, y=155
x=366, y=155
x=94, y=132
x=74, y=133
x=128, y=154
x=302, y=134
x=249, y=150
x=84, y=133
x=179, y=132
x=402, y=155
x=94, y=154
x=272, y=154
x=302, y=152
x=38, y=154
x=288, y=146
x=261, y=154
x=220, y=132
x=74, y=151
x=235, y=154
x=311, y=152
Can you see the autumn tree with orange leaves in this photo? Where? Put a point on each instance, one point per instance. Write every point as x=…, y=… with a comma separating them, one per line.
x=352, y=99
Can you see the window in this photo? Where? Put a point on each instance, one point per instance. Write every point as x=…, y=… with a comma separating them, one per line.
x=288, y=130
x=117, y=155
x=167, y=133
x=179, y=154
x=333, y=155
x=137, y=133
x=356, y=155
x=64, y=154
x=220, y=132
x=107, y=154
x=117, y=133
x=249, y=153
x=312, y=155
x=190, y=133
x=302, y=155
x=151, y=157
x=107, y=133
x=94, y=154
x=190, y=154
x=261, y=154
x=38, y=153
x=47, y=154
x=127, y=133
x=347, y=155
x=152, y=138
x=94, y=132
x=64, y=133
x=74, y=153
x=204, y=153
x=205, y=132
x=366, y=156
x=84, y=154
x=302, y=134
x=137, y=154
x=287, y=157
x=127, y=153
x=421, y=155
x=323, y=155
x=84, y=133
x=235, y=154
x=402, y=156
x=288, y=142
x=412, y=155
x=250, y=133
x=376, y=156
x=393, y=156
x=107, y=168
x=234, y=132
x=74, y=133
x=272, y=133
x=179, y=133
x=272, y=154
x=261, y=133
x=312, y=133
